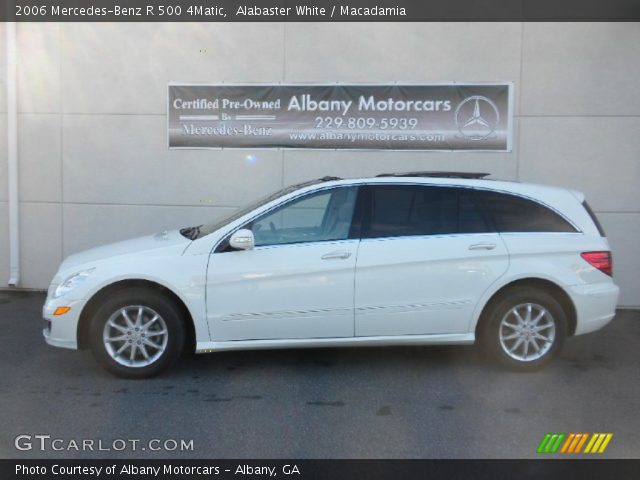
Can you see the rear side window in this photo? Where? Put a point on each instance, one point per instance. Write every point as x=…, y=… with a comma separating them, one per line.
x=410, y=210
x=594, y=218
x=511, y=213
x=471, y=219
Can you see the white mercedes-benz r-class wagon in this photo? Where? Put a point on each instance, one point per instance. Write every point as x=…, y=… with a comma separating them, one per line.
x=400, y=259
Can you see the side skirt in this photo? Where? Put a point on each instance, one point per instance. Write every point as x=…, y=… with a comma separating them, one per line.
x=383, y=341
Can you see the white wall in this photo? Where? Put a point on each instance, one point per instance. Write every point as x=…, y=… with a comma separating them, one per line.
x=4, y=213
x=92, y=99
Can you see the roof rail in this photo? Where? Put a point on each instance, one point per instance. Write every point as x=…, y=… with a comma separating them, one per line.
x=328, y=178
x=470, y=175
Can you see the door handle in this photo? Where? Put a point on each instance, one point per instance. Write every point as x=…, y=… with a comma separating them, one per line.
x=482, y=246
x=336, y=255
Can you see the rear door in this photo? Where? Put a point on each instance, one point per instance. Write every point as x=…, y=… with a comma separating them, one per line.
x=426, y=256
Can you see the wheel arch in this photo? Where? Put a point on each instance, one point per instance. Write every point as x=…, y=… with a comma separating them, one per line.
x=95, y=300
x=548, y=286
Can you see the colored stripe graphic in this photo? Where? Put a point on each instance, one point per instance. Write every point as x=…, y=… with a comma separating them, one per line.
x=605, y=443
x=556, y=445
x=543, y=443
x=567, y=442
x=550, y=443
x=581, y=442
x=573, y=443
x=598, y=442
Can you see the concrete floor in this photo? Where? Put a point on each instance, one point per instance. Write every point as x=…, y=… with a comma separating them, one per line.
x=415, y=402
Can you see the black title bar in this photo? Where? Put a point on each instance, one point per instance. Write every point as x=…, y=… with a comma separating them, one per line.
x=582, y=469
x=317, y=10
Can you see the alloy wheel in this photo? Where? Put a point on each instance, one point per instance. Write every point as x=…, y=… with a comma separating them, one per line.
x=527, y=332
x=135, y=336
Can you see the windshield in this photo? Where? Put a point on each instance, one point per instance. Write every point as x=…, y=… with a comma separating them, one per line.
x=200, y=231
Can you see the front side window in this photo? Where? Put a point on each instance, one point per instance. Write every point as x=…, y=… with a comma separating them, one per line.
x=200, y=231
x=321, y=216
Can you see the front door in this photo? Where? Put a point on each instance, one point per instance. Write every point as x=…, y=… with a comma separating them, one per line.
x=298, y=281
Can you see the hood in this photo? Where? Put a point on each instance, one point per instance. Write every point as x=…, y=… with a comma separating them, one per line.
x=134, y=246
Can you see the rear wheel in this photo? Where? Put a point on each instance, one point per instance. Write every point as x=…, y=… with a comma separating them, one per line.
x=525, y=328
x=137, y=333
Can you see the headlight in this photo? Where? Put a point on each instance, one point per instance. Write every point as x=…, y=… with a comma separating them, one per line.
x=72, y=282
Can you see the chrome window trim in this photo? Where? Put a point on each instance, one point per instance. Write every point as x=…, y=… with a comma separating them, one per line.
x=304, y=244
x=486, y=189
x=361, y=183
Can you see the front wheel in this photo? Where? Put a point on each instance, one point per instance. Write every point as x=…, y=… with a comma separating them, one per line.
x=525, y=329
x=137, y=333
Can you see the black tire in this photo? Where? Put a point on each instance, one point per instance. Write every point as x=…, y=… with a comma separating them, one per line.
x=520, y=298
x=153, y=302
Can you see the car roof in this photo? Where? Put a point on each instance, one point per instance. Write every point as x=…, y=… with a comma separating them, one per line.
x=562, y=200
x=554, y=196
x=436, y=174
x=461, y=179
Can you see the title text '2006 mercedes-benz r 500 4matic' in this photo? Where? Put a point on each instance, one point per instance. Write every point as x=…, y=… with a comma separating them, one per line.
x=399, y=259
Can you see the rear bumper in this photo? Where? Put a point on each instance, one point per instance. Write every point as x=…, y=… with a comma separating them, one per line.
x=595, y=305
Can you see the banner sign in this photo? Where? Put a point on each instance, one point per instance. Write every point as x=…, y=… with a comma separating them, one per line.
x=445, y=117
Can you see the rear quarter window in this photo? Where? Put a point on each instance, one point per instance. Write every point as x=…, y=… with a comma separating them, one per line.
x=511, y=213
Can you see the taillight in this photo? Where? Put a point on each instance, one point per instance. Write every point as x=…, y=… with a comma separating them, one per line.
x=600, y=260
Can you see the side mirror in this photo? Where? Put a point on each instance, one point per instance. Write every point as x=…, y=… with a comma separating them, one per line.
x=242, y=239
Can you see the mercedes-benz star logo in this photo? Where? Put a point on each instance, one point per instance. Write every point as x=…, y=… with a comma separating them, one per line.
x=474, y=124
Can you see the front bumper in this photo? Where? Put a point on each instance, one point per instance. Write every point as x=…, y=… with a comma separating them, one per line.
x=595, y=305
x=61, y=330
